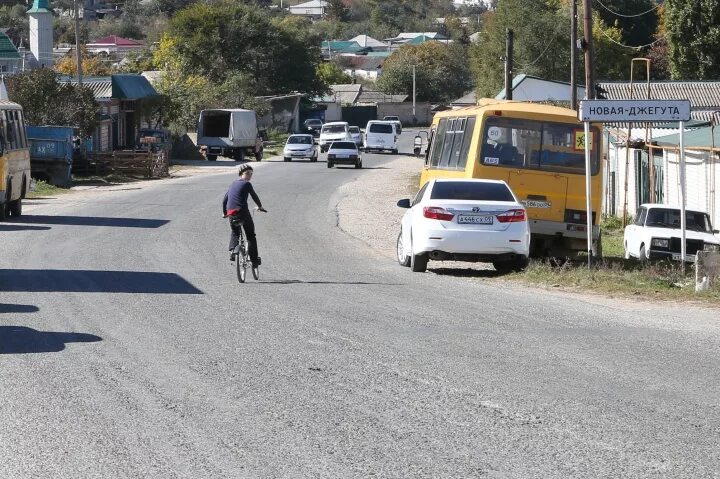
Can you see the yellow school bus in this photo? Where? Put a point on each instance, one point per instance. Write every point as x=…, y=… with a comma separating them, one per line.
x=14, y=159
x=539, y=151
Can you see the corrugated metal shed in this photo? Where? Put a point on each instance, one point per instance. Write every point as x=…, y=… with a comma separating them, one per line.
x=702, y=138
x=704, y=96
x=131, y=87
x=100, y=86
x=372, y=96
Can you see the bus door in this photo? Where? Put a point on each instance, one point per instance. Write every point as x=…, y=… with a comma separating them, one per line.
x=543, y=195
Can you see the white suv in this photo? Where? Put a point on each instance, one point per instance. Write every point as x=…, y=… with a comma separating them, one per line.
x=334, y=131
x=381, y=135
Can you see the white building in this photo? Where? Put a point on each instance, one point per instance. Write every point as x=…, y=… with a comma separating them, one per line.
x=41, y=33
x=650, y=167
x=530, y=88
x=314, y=9
x=114, y=45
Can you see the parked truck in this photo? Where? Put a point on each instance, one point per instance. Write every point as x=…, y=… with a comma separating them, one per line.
x=52, y=150
x=232, y=133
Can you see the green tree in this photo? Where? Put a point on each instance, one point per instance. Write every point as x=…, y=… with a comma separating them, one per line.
x=71, y=105
x=637, y=20
x=541, y=45
x=223, y=38
x=331, y=74
x=692, y=34
x=541, y=32
x=337, y=10
x=441, y=71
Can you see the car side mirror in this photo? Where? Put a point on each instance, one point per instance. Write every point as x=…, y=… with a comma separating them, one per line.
x=404, y=203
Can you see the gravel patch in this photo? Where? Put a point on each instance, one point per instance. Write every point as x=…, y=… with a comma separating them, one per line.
x=368, y=207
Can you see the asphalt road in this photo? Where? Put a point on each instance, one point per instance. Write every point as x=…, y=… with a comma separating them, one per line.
x=128, y=349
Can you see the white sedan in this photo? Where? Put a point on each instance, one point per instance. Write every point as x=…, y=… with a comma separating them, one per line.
x=464, y=220
x=300, y=146
x=344, y=153
x=656, y=234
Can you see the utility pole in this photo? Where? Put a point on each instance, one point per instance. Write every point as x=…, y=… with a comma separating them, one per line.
x=588, y=43
x=78, y=55
x=573, y=56
x=508, y=63
x=414, y=117
x=589, y=95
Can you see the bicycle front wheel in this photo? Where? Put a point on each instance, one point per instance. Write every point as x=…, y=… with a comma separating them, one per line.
x=241, y=263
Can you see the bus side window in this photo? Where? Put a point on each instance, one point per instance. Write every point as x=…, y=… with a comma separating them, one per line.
x=431, y=136
x=11, y=132
x=467, y=137
x=23, y=131
x=439, y=140
x=5, y=130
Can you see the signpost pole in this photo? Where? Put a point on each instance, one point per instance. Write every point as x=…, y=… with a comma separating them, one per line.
x=683, y=197
x=588, y=191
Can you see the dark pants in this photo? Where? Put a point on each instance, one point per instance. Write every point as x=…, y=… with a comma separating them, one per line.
x=244, y=218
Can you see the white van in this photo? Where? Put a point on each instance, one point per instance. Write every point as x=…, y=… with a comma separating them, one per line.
x=381, y=135
x=333, y=131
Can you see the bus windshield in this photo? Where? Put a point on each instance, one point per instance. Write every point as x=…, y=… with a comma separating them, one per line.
x=537, y=145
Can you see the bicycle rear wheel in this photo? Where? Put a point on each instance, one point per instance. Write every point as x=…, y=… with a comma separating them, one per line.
x=241, y=263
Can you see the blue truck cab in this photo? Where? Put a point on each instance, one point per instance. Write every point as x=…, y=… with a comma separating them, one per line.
x=51, y=153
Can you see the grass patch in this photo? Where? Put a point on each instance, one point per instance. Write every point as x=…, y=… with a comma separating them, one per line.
x=43, y=188
x=612, y=236
x=617, y=276
x=111, y=179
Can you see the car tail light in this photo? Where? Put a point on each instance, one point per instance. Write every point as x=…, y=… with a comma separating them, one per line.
x=437, y=213
x=512, y=216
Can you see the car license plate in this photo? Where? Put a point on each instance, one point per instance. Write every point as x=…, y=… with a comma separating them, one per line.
x=475, y=219
x=342, y=156
x=688, y=257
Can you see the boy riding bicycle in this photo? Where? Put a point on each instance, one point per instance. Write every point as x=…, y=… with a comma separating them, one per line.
x=235, y=207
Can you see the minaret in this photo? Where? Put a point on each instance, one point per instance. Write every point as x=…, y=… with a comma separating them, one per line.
x=41, y=32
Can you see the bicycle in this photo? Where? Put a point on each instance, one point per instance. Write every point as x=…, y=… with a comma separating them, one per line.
x=242, y=255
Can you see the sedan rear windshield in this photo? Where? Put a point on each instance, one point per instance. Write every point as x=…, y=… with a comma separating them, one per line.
x=471, y=190
x=354, y=129
x=380, y=128
x=333, y=129
x=342, y=145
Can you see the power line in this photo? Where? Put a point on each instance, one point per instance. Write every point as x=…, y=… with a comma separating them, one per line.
x=550, y=43
x=657, y=5
x=630, y=46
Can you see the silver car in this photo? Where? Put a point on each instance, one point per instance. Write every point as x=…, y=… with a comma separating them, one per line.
x=356, y=135
x=344, y=153
x=300, y=146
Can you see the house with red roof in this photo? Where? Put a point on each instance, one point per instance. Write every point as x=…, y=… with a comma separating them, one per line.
x=114, y=45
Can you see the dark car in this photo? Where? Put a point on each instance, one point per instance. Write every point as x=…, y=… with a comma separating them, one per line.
x=312, y=126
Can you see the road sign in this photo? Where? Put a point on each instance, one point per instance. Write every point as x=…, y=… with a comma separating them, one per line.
x=626, y=111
